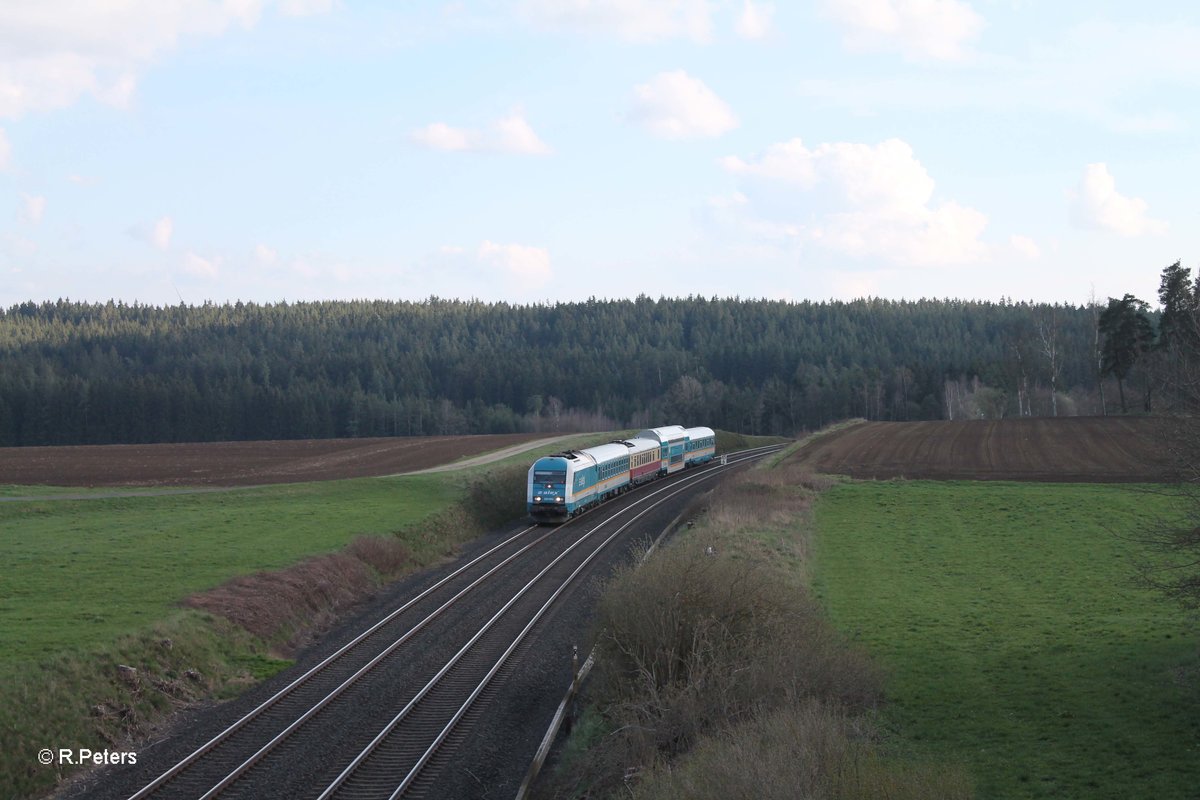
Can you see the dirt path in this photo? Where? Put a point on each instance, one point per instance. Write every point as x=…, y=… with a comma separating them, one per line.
x=489, y=458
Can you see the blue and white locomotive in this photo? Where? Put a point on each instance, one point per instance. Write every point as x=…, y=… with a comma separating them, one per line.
x=563, y=484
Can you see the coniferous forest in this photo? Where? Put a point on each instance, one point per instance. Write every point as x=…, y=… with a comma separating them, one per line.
x=80, y=373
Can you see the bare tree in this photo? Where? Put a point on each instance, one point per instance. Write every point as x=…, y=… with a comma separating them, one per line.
x=1048, y=329
x=554, y=410
x=686, y=400
x=902, y=378
x=1019, y=358
x=1097, y=355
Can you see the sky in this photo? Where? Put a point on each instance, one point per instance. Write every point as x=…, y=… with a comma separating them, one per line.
x=535, y=151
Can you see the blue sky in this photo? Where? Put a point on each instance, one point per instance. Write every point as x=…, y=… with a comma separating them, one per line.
x=544, y=150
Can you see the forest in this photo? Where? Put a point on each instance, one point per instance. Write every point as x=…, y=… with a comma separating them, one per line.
x=100, y=373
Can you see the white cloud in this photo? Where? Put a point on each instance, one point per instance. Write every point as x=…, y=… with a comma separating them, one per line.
x=861, y=200
x=201, y=267
x=305, y=268
x=440, y=136
x=1097, y=204
x=530, y=264
x=118, y=93
x=735, y=200
x=265, y=255
x=674, y=105
x=884, y=175
x=917, y=29
x=304, y=8
x=1119, y=76
x=161, y=235
x=35, y=207
x=788, y=161
x=631, y=20
x=1025, y=247
x=734, y=212
x=510, y=134
x=513, y=135
x=53, y=52
x=5, y=150
x=19, y=246
x=754, y=21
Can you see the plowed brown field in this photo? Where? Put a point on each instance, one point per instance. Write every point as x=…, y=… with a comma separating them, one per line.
x=1079, y=449
x=1099, y=449
x=239, y=463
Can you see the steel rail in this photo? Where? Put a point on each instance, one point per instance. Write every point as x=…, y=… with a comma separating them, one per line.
x=359, y=673
x=321, y=666
x=674, y=489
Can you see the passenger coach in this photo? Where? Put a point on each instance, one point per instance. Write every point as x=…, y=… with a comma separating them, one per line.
x=672, y=441
x=701, y=446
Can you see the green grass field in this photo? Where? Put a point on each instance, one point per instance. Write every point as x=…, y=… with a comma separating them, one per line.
x=79, y=572
x=1015, y=636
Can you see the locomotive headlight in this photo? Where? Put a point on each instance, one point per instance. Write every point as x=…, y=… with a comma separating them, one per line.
x=558, y=499
x=537, y=499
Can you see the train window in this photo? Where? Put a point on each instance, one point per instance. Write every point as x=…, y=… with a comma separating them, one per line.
x=544, y=476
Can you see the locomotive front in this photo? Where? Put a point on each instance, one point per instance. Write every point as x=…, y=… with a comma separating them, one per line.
x=546, y=498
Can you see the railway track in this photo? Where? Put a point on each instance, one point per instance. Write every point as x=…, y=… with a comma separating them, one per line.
x=431, y=658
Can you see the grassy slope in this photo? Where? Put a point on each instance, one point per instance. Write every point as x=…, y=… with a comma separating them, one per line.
x=1015, y=636
x=79, y=573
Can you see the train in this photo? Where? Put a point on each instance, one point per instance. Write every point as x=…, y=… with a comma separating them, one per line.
x=564, y=484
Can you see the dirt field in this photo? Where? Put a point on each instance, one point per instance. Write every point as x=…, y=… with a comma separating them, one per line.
x=240, y=463
x=1078, y=449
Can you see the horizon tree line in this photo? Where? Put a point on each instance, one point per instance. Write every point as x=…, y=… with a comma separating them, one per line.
x=97, y=373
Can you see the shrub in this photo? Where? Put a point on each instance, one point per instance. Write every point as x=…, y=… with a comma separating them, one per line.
x=387, y=555
x=810, y=750
x=696, y=638
x=498, y=496
x=283, y=603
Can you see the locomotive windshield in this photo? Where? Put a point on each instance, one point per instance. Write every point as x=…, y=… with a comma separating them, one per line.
x=545, y=476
